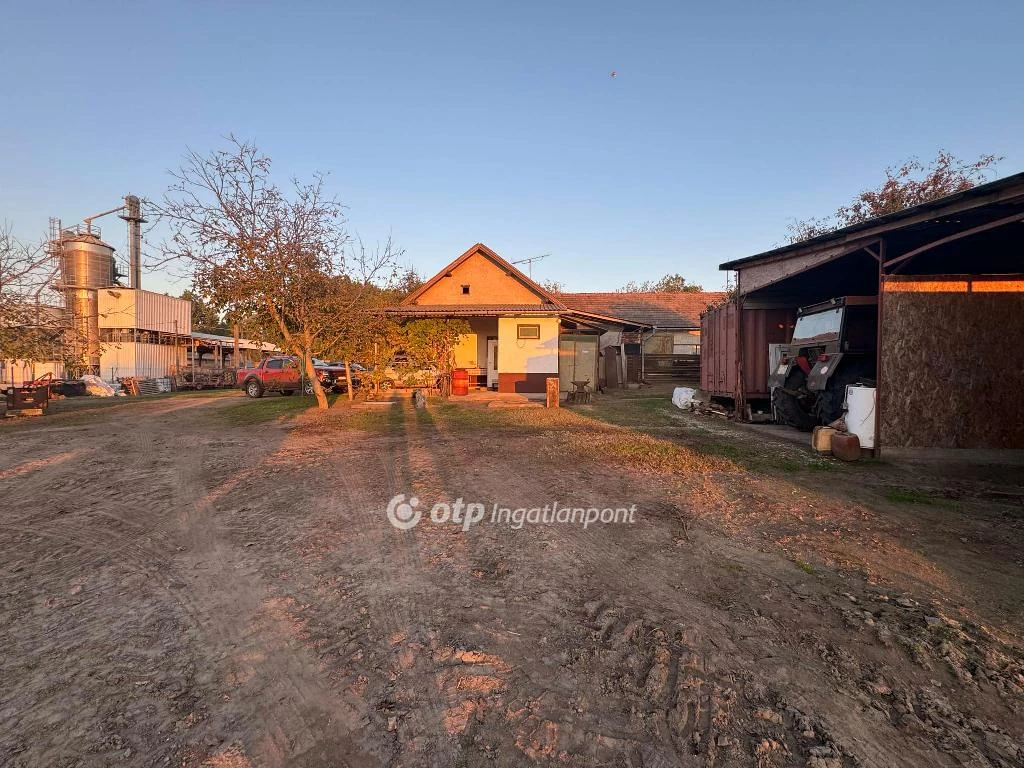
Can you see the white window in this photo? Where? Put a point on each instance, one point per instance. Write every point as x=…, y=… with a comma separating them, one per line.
x=685, y=343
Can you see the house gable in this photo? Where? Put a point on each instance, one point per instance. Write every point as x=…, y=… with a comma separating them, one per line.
x=481, y=277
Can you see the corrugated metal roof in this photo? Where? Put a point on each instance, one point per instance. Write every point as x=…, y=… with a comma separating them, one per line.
x=230, y=340
x=891, y=221
x=656, y=309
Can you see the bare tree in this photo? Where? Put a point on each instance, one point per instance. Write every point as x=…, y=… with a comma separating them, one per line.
x=32, y=322
x=274, y=255
x=910, y=184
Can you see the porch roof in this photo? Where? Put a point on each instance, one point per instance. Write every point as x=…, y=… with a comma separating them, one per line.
x=473, y=310
x=592, y=319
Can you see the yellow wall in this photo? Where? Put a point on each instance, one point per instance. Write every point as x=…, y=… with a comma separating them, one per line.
x=467, y=352
x=528, y=355
x=472, y=350
x=488, y=284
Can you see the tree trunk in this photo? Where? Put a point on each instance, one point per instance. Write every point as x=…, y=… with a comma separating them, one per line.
x=348, y=380
x=318, y=391
x=302, y=352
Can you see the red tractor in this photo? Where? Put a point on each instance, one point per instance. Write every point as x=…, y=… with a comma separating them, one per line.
x=833, y=345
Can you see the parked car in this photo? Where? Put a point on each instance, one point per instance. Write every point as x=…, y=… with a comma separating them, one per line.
x=407, y=376
x=332, y=376
x=277, y=373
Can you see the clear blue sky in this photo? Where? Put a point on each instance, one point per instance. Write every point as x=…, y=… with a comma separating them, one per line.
x=450, y=123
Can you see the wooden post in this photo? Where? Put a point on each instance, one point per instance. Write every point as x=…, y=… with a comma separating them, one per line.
x=552, y=391
x=876, y=450
x=234, y=352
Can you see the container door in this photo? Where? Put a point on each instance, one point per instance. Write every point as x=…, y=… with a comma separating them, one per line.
x=586, y=362
x=566, y=364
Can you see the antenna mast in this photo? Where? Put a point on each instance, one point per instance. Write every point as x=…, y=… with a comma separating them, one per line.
x=529, y=262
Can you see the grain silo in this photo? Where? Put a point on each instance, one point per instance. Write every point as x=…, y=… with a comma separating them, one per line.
x=86, y=264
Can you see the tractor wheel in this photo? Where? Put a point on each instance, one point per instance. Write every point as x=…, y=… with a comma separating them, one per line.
x=253, y=388
x=795, y=409
x=830, y=403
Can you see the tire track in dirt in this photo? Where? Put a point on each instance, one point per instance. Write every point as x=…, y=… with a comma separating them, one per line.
x=277, y=702
x=86, y=594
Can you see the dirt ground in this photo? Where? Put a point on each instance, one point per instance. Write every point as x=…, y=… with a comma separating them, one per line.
x=207, y=581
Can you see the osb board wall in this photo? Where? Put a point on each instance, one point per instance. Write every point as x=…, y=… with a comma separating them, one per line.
x=953, y=362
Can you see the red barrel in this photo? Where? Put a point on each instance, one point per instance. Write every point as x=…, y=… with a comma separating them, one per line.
x=460, y=381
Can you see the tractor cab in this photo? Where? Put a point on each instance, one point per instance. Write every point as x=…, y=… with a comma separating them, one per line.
x=833, y=345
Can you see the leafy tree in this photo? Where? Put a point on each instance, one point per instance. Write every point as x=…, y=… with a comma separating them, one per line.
x=432, y=343
x=359, y=324
x=671, y=283
x=905, y=186
x=407, y=281
x=276, y=256
x=204, y=316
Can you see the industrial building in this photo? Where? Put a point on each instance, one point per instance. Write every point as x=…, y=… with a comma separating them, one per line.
x=948, y=280
x=118, y=331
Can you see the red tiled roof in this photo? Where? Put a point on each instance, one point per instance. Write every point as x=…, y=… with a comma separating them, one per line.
x=660, y=310
x=473, y=310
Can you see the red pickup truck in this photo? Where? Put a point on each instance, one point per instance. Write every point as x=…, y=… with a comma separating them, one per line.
x=279, y=373
x=283, y=373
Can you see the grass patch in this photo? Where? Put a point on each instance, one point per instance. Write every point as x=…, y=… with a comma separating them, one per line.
x=264, y=409
x=806, y=567
x=909, y=496
x=376, y=418
x=813, y=464
x=466, y=417
x=641, y=452
x=576, y=434
x=76, y=411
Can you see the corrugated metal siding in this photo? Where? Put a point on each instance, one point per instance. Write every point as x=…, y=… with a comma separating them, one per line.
x=718, y=350
x=137, y=359
x=144, y=310
x=17, y=372
x=157, y=312
x=761, y=327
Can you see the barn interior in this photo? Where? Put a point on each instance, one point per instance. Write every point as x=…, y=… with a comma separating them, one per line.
x=951, y=311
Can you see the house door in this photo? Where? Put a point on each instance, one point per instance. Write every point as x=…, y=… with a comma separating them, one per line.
x=492, y=363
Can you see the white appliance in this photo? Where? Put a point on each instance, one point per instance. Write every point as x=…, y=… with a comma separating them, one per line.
x=861, y=403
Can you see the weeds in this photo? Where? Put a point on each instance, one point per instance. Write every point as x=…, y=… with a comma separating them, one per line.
x=806, y=567
x=909, y=496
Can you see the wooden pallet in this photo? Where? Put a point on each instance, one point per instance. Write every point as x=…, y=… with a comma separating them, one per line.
x=16, y=412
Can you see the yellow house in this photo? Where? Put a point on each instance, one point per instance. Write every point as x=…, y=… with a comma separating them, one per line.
x=521, y=334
